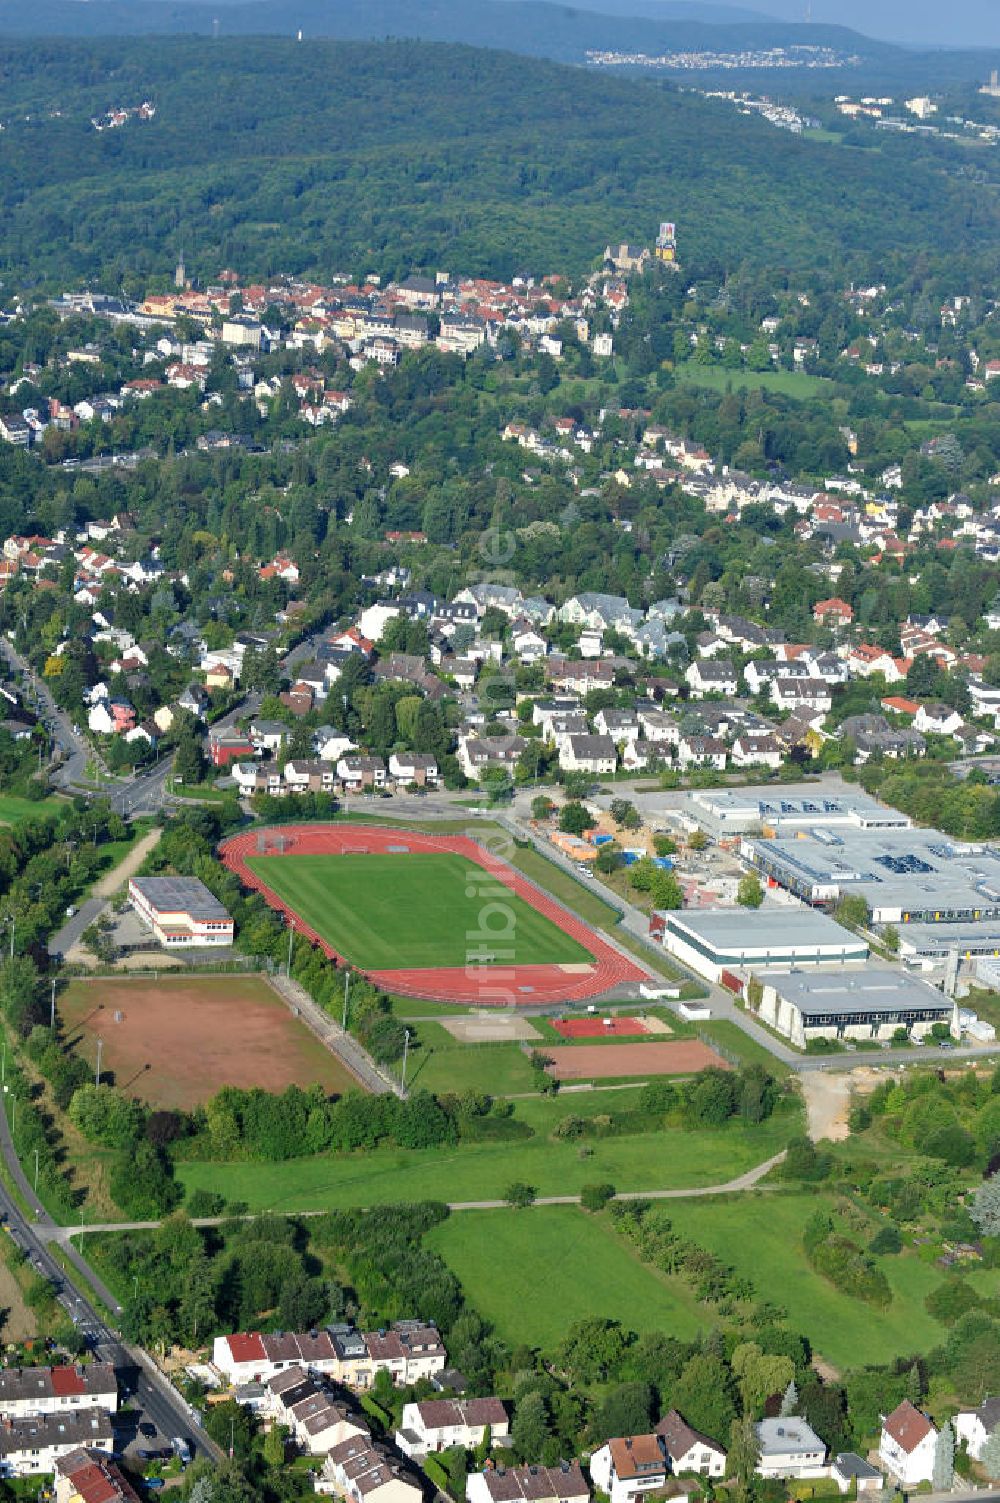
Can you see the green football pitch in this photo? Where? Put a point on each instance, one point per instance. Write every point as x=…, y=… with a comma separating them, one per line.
x=396, y=912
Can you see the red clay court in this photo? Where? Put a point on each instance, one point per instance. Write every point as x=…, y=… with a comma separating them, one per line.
x=597, y=1028
x=477, y=985
x=628, y=1061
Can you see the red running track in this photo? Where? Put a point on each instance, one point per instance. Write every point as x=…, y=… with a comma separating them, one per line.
x=484, y=986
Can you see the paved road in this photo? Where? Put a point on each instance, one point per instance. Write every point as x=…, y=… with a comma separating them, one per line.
x=155, y=1398
x=61, y=1236
x=75, y=750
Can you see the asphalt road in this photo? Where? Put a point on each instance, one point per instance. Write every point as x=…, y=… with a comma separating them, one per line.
x=156, y=1402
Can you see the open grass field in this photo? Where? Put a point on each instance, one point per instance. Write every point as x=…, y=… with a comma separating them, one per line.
x=14, y=809
x=441, y=1063
x=384, y=911
x=533, y=1273
x=673, y=1158
x=180, y=1039
x=761, y=1235
x=788, y=383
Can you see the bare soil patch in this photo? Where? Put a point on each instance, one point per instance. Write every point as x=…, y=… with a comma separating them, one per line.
x=175, y=1041
x=491, y=1028
x=592, y=1062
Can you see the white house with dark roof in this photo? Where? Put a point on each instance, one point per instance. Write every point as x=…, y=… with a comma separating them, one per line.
x=628, y=1466
x=688, y=1450
x=711, y=676
x=564, y=1483
x=975, y=1426
x=436, y=1424
x=906, y=1445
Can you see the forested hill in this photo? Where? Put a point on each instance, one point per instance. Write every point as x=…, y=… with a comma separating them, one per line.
x=537, y=27
x=314, y=157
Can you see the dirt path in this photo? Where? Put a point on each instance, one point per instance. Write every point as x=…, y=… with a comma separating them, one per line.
x=112, y=880
x=828, y=1100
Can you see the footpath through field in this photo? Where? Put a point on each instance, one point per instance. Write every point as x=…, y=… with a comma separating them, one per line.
x=63, y=1235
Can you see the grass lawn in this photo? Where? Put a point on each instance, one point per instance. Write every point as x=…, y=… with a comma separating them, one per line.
x=533, y=1273
x=788, y=383
x=482, y=1171
x=761, y=1235
x=384, y=911
x=440, y=1063
x=14, y=809
x=731, y=1039
x=416, y=1007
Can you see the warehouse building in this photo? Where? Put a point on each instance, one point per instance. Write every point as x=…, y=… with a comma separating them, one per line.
x=181, y=911
x=713, y=940
x=867, y=1005
x=789, y=809
x=905, y=876
x=932, y=944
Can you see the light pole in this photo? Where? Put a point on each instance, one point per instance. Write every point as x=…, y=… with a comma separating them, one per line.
x=3, y=1064
x=52, y=1008
x=406, y=1050
x=291, y=939
x=12, y=923
x=347, y=989
x=97, y=1072
x=36, y=1171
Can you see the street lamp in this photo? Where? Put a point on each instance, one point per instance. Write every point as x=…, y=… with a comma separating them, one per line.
x=406, y=1050
x=97, y=1072
x=347, y=988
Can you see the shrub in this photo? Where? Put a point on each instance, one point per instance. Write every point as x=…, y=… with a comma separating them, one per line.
x=596, y=1197
x=886, y=1240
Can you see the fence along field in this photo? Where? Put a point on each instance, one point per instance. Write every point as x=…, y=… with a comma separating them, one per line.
x=175, y=1041
x=428, y=916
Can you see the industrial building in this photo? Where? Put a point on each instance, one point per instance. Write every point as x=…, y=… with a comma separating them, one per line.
x=933, y=944
x=181, y=911
x=905, y=876
x=713, y=940
x=867, y=1005
x=788, y=809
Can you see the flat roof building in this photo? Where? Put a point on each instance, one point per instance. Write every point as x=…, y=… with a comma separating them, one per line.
x=867, y=1005
x=788, y=808
x=712, y=940
x=181, y=911
x=905, y=876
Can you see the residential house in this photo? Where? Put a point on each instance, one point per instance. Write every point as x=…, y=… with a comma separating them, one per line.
x=88, y=1476
x=628, y=1466
x=360, y=1472
x=975, y=1426
x=688, y=1450
x=594, y=754
x=297, y=1398
x=601, y=612
x=268, y=736
x=658, y=727
x=711, y=677
x=414, y=767
x=792, y=693
x=833, y=613
x=567, y=673
x=330, y=745
x=478, y=753
x=936, y=719
x=907, y=1444
x=756, y=749
x=436, y=1424
x=789, y=1447
x=309, y=775
x=526, y=642
x=31, y=1446
x=702, y=751
x=564, y=1483
x=620, y=725
x=873, y=736
x=195, y=700
x=407, y=1350
x=359, y=774
x=227, y=744
x=55, y=1390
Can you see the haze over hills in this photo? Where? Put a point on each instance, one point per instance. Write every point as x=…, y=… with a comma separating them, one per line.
x=913, y=23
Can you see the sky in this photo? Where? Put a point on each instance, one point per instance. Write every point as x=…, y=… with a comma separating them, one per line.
x=961, y=23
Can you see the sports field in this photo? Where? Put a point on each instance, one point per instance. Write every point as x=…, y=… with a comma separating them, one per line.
x=415, y=909
x=175, y=1041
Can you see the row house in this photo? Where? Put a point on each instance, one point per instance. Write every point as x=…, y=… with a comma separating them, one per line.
x=478, y=754
x=31, y=1446
x=295, y=1397
x=436, y=1424
x=28, y=1391
x=360, y=1472
x=408, y=1351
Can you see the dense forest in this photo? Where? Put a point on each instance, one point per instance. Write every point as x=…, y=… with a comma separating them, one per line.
x=269, y=155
